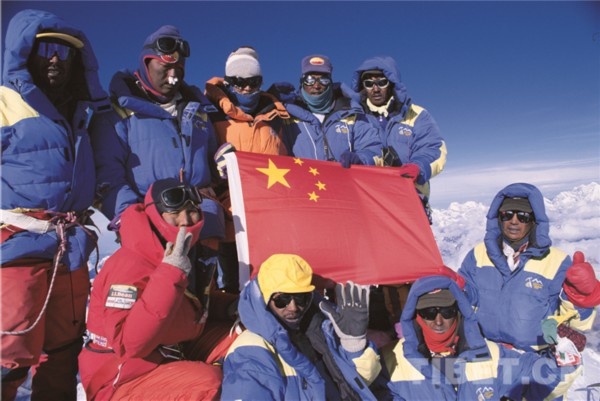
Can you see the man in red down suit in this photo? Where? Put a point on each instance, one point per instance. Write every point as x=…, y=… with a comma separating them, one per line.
x=149, y=306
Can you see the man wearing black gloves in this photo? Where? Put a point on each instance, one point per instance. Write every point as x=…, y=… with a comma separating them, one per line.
x=293, y=350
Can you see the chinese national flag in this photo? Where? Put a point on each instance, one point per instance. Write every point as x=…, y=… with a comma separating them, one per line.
x=364, y=224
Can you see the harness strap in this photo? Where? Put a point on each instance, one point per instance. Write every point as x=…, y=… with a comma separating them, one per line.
x=61, y=222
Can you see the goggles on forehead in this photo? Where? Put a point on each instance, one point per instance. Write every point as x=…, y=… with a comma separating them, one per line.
x=310, y=80
x=174, y=199
x=381, y=83
x=523, y=217
x=168, y=45
x=281, y=300
x=241, y=83
x=447, y=312
x=49, y=49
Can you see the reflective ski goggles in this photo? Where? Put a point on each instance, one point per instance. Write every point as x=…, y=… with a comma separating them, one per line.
x=447, y=312
x=47, y=50
x=381, y=83
x=168, y=45
x=282, y=299
x=310, y=80
x=523, y=217
x=174, y=199
x=242, y=83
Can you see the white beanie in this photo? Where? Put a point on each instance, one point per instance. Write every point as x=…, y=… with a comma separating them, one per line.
x=243, y=63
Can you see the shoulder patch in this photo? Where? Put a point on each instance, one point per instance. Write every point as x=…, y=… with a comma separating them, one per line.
x=121, y=296
x=413, y=112
x=548, y=266
x=13, y=108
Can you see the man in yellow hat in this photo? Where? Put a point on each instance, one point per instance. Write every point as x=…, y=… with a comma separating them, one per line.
x=298, y=345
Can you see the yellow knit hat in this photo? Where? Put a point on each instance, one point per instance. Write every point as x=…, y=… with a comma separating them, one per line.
x=284, y=273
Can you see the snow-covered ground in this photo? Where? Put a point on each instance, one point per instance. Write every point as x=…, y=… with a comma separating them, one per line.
x=575, y=225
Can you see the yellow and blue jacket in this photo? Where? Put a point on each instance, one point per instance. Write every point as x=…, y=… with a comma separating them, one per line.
x=263, y=363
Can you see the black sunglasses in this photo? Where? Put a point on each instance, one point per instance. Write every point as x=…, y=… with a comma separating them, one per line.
x=49, y=49
x=281, y=300
x=447, y=312
x=174, y=199
x=523, y=217
x=168, y=45
x=381, y=83
x=241, y=83
x=310, y=80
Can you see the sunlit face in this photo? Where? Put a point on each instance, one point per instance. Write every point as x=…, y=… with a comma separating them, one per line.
x=50, y=72
x=514, y=230
x=317, y=87
x=440, y=324
x=163, y=74
x=377, y=95
x=186, y=217
x=292, y=312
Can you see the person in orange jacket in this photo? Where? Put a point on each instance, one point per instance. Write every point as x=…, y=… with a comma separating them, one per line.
x=149, y=306
x=249, y=120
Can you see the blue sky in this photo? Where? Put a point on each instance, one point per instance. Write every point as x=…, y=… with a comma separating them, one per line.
x=514, y=86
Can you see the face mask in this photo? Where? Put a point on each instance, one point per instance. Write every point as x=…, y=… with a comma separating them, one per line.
x=319, y=103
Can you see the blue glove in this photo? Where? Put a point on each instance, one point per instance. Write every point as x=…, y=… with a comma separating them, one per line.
x=347, y=158
x=220, y=158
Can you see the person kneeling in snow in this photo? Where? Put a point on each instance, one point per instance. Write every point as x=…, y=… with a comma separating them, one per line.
x=149, y=306
x=443, y=356
x=291, y=350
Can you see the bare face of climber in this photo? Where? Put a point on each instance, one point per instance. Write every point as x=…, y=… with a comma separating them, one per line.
x=166, y=78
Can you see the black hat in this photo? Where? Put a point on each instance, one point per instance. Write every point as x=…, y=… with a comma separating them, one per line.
x=439, y=298
x=517, y=204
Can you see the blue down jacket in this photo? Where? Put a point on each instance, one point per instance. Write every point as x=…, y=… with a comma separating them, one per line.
x=146, y=143
x=510, y=306
x=481, y=370
x=263, y=364
x=410, y=129
x=47, y=162
x=345, y=128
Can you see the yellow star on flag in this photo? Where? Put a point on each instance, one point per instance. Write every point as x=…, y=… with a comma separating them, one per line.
x=320, y=185
x=313, y=171
x=298, y=161
x=276, y=175
x=313, y=196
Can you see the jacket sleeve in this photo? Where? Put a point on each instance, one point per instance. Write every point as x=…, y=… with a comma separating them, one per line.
x=251, y=373
x=534, y=377
x=367, y=140
x=136, y=332
x=111, y=152
x=467, y=270
x=428, y=149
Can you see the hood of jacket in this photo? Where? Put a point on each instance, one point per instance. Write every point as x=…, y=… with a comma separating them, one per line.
x=389, y=68
x=475, y=346
x=257, y=318
x=539, y=238
x=138, y=236
x=19, y=41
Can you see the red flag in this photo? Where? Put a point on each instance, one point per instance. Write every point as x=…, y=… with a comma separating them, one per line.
x=364, y=224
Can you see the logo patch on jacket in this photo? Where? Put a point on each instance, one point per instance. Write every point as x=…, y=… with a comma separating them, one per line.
x=534, y=283
x=404, y=131
x=342, y=129
x=484, y=393
x=121, y=296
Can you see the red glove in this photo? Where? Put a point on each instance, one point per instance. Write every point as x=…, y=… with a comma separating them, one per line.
x=581, y=285
x=409, y=171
